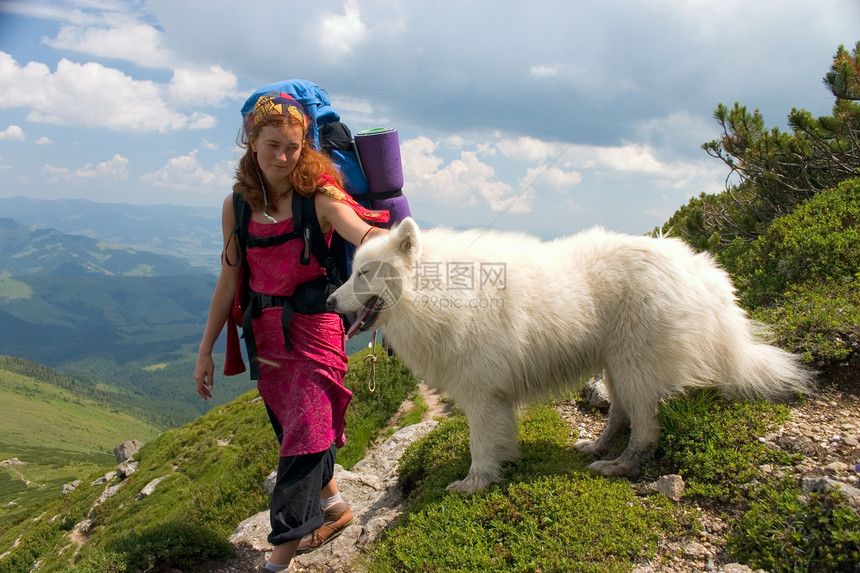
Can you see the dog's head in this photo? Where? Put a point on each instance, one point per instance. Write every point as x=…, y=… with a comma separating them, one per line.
x=381, y=271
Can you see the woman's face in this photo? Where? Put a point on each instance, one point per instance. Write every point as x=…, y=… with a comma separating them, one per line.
x=278, y=149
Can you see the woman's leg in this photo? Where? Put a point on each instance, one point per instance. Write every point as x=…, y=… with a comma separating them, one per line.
x=283, y=554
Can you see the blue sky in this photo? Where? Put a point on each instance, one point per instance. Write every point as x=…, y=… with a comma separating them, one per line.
x=546, y=117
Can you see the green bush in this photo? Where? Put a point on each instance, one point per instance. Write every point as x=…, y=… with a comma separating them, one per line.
x=712, y=443
x=821, y=321
x=782, y=532
x=818, y=242
x=100, y=561
x=174, y=543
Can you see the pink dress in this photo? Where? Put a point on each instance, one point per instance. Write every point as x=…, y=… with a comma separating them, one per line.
x=303, y=387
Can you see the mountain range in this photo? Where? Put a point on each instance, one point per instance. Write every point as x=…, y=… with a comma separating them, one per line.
x=192, y=234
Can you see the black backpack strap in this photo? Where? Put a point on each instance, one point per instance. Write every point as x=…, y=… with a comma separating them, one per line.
x=305, y=218
x=242, y=217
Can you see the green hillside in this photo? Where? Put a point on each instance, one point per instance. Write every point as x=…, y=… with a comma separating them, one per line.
x=34, y=414
x=46, y=252
x=212, y=470
x=55, y=320
x=59, y=431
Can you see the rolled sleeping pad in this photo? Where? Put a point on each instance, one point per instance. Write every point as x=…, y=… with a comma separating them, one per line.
x=379, y=150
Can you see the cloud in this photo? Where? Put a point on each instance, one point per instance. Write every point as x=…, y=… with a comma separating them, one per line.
x=92, y=95
x=528, y=148
x=89, y=13
x=44, y=141
x=551, y=177
x=12, y=133
x=465, y=181
x=127, y=40
x=115, y=169
x=187, y=174
x=340, y=34
x=202, y=87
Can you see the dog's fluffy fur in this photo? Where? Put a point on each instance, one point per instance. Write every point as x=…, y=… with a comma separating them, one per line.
x=653, y=315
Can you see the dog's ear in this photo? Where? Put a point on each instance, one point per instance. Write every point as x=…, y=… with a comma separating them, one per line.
x=408, y=239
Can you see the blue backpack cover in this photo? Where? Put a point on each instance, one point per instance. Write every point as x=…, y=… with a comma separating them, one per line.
x=318, y=108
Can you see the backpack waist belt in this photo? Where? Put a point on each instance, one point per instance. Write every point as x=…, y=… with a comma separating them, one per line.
x=308, y=298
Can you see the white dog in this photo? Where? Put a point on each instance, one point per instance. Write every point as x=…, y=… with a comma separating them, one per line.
x=496, y=320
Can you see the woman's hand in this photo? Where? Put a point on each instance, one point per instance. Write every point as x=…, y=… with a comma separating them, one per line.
x=204, y=374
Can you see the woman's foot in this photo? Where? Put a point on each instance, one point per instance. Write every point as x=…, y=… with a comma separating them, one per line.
x=338, y=517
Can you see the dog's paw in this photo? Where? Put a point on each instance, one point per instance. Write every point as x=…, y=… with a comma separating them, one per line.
x=463, y=486
x=588, y=447
x=472, y=483
x=612, y=468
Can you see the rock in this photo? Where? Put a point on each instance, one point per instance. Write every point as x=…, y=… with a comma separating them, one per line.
x=837, y=467
x=149, y=488
x=823, y=485
x=738, y=568
x=126, y=450
x=85, y=527
x=269, y=484
x=126, y=468
x=108, y=493
x=70, y=487
x=594, y=394
x=697, y=551
x=672, y=486
x=11, y=462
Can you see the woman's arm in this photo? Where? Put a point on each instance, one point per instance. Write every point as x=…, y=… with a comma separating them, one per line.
x=334, y=213
x=219, y=308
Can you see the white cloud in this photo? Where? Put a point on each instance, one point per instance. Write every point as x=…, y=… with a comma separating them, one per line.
x=543, y=71
x=126, y=40
x=528, y=149
x=44, y=141
x=589, y=77
x=115, y=169
x=91, y=95
x=12, y=133
x=551, y=177
x=186, y=173
x=203, y=87
x=80, y=13
x=340, y=34
x=465, y=181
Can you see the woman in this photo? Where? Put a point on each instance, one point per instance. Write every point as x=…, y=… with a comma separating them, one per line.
x=302, y=387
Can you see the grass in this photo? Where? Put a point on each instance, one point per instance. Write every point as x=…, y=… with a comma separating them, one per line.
x=551, y=513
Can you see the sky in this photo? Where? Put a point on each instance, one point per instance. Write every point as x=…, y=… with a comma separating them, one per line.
x=547, y=117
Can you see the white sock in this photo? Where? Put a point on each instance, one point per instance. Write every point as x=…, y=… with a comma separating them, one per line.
x=327, y=502
x=274, y=567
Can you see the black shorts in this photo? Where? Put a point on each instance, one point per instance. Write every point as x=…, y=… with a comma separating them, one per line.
x=295, y=505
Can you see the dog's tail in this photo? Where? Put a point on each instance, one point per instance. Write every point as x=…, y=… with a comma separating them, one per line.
x=757, y=369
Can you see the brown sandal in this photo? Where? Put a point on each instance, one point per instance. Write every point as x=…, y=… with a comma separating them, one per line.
x=337, y=518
